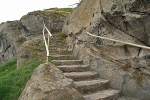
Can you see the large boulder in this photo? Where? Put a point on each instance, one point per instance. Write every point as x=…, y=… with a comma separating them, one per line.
x=48, y=83
x=128, y=21
x=32, y=24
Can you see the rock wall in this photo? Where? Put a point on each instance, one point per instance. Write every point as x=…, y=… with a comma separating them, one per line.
x=10, y=39
x=126, y=66
x=14, y=33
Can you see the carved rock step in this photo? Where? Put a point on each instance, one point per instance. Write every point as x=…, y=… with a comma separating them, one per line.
x=61, y=57
x=55, y=35
x=73, y=68
x=56, y=44
x=109, y=94
x=58, y=47
x=91, y=85
x=56, y=40
x=58, y=51
x=78, y=76
x=67, y=62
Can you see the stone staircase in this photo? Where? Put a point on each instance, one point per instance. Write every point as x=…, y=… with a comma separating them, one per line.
x=87, y=82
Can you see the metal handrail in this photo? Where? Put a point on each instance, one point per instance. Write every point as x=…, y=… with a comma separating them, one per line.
x=131, y=44
x=46, y=42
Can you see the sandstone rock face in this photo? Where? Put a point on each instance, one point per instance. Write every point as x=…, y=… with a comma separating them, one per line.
x=48, y=83
x=128, y=20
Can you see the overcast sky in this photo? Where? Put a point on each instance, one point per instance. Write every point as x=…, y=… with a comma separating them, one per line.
x=15, y=9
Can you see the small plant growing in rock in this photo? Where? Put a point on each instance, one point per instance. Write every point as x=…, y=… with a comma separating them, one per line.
x=138, y=76
x=62, y=36
x=125, y=67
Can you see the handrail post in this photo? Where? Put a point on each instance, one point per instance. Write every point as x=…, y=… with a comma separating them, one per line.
x=45, y=42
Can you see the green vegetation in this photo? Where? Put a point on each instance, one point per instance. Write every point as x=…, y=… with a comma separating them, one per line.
x=62, y=36
x=53, y=12
x=138, y=76
x=64, y=9
x=125, y=67
x=13, y=79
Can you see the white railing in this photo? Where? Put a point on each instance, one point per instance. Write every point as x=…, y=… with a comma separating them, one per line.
x=46, y=42
x=123, y=42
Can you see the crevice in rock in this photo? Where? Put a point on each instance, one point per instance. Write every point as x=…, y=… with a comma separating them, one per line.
x=127, y=52
x=140, y=13
x=139, y=51
x=23, y=27
x=7, y=48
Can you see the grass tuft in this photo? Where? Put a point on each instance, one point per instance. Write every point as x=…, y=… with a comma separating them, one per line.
x=13, y=79
x=62, y=36
x=64, y=9
x=54, y=13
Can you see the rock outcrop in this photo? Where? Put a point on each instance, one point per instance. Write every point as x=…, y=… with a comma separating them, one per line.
x=31, y=49
x=48, y=83
x=10, y=40
x=128, y=20
x=14, y=33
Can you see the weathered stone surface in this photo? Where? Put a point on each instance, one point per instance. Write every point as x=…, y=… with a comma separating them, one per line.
x=31, y=49
x=33, y=24
x=10, y=40
x=127, y=98
x=48, y=83
x=131, y=88
x=126, y=20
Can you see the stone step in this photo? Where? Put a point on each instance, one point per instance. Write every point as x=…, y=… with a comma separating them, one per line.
x=73, y=68
x=58, y=51
x=91, y=85
x=109, y=94
x=58, y=48
x=56, y=40
x=56, y=35
x=86, y=82
x=53, y=39
x=55, y=44
x=61, y=57
x=78, y=76
x=67, y=62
